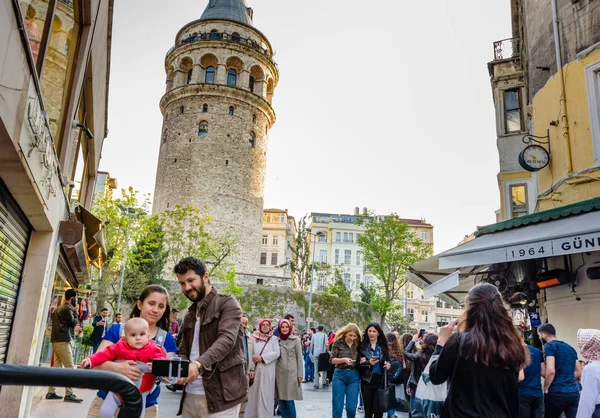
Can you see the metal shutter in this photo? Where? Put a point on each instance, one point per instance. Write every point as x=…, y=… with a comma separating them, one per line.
x=14, y=237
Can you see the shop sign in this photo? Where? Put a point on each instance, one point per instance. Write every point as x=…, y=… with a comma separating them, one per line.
x=560, y=246
x=534, y=319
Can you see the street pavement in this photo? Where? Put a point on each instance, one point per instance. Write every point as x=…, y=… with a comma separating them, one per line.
x=316, y=404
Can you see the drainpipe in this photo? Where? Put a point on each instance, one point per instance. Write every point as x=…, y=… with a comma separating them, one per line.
x=563, y=94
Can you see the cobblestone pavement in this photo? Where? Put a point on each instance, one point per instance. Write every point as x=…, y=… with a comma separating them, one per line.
x=316, y=404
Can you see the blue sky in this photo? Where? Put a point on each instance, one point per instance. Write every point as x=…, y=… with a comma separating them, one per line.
x=383, y=103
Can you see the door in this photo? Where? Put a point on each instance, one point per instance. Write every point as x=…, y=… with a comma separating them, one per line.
x=15, y=231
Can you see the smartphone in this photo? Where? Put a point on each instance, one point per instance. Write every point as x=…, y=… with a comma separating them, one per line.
x=176, y=368
x=421, y=333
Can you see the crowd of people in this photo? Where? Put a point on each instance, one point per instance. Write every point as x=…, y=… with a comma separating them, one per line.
x=484, y=368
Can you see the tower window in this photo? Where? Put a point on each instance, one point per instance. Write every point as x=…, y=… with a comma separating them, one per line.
x=252, y=140
x=204, y=108
x=254, y=118
x=210, y=75
x=251, y=84
x=189, y=75
x=214, y=35
x=231, y=77
x=231, y=110
x=235, y=37
x=512, y=111
x=203, y=128
x=164, y=137
x=181, y=110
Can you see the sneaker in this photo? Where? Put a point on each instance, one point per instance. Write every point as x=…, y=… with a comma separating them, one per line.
x=361, y=409
x=317, y=386
x=72, y=398
x=52, y=396
x=172, y=388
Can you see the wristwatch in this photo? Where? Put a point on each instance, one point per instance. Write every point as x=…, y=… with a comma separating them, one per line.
x=197, y=363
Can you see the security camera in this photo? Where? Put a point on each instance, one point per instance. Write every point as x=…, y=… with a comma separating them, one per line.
x=71, y=184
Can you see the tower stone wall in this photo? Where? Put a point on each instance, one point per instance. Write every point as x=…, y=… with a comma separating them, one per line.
x=213, y=144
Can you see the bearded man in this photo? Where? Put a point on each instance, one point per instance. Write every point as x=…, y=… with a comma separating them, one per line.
x=213, y=341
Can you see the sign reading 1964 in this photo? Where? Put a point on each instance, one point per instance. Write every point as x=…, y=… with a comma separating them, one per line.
x=560, y=246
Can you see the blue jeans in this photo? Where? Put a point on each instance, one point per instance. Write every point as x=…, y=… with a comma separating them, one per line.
x=390, y=413
x=346, y=384
x=309, y=368
x=287, y=409
x=555, y=403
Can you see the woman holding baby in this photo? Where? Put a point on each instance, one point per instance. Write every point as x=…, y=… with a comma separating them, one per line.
x=153, y=306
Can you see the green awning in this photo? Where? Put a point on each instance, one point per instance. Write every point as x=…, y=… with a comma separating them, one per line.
x=539, y=217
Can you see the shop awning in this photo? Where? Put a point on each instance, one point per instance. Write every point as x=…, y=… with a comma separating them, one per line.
x=93, y=235
x=567, y=230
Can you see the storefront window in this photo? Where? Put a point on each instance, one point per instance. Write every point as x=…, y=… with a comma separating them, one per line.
x=518, y=200
x=34, y=16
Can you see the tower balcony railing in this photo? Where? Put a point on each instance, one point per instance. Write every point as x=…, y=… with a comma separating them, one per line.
x=507, y=49
x=222, y=36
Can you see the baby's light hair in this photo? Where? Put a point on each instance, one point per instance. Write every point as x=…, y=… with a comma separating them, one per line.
x=133, y=322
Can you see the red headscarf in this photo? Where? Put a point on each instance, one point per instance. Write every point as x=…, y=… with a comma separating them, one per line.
x=283, y=336
x=259, y=335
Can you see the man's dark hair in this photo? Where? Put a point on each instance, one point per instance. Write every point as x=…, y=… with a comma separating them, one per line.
x=321, y=328
x=190, y=263
x=118, y=313
x=547, y=329
x=314, y=330
x=174, y=310
x=104, y=309
x=70, y=293
x=289, y=316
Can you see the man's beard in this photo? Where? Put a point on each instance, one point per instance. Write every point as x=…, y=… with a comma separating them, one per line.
x=200, y=293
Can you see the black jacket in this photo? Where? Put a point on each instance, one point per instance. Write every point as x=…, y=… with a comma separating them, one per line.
x=365, y=370
x=64, y=320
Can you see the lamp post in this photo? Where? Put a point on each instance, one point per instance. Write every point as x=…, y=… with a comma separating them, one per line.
x=130, y=213
x=312, y=275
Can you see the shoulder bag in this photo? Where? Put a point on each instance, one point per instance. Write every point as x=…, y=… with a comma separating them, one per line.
x=386, y=396
x=251, y=379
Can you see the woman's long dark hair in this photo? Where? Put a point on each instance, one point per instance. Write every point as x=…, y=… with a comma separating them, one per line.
x=491, y=338
x=395, y=346
x=165, y=321
x=381, y=340
x=427, y=348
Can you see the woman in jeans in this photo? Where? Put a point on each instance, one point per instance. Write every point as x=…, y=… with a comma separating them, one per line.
x=397, y=360
x=374, y=358
x=346, y=382
x=488, y=355
x=288, y=374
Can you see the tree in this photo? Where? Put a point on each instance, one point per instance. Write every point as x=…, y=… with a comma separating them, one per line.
x=338, y=289
x=389, y=248
x=300, y=265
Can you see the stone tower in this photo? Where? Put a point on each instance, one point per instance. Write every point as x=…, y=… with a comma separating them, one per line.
x=216, y=117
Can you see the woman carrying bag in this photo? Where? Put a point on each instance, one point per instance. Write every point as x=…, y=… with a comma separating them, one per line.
x=374, y=359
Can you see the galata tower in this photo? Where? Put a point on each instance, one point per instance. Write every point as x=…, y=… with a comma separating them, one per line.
x=216, y=117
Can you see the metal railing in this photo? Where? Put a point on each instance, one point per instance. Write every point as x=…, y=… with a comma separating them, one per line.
x=507, y=48
x=18, y=375
x=222, y=36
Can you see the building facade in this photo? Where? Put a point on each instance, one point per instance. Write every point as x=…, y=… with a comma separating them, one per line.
x=104, y=182
x=217, y=113
x=278, y=238
x=53, y=121
x=428, y=314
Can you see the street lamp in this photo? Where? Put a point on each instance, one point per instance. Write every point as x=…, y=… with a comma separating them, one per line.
x=130, y=213
x=312, y=275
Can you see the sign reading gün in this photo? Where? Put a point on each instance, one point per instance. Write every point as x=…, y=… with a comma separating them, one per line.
x=560, y=246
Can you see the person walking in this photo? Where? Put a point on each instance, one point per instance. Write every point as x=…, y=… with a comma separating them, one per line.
x=212, y=340
x=318, y=346
x=174, y=323
x=418, y=360
x=289, y=371
x=397, y=361
x=100, y=326
x=374, y=357
x=64, y=319
x=561, y=391
x=261, y=401
x=588, y=341
x=309, y=367
x=531, y=395
x=487, y=354
x=153, y=306
x=346, y=381
x=406, y=373
x=248, y=363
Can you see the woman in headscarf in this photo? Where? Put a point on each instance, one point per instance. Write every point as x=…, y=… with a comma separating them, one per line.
x=589, y=346
x=261, y=401
x=289, y=370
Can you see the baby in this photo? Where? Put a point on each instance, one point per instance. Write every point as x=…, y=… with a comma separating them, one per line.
x=135, y=345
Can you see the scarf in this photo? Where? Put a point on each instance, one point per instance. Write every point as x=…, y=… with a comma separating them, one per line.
x=259, y=335
x=283, y=336
x=589, y=344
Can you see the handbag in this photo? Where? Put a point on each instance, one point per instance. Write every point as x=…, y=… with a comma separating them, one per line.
x=251, y=379
x=386, y=396
x=323, y=362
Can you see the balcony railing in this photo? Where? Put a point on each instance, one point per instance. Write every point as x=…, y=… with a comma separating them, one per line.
x=222, y=36
x=506, y=49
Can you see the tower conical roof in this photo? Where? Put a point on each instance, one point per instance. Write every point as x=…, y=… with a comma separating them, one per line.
x=235, y=10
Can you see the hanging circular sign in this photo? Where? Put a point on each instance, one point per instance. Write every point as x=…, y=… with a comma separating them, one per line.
x=534, y=158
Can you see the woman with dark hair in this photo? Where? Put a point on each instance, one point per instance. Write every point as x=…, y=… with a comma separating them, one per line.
x=153, y=306
x=419, y=361
x=488, y=354
x=289, y=370
x=397, y=361
x=406, y=339
x=374, y=357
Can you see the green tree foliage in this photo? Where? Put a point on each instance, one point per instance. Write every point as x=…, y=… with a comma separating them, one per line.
x=337, y=289
x=389, y=248
x=300, y=264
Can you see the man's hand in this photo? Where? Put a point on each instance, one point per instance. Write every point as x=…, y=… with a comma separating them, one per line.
x=445, y=332
x=193, y=373
x=100, y=323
